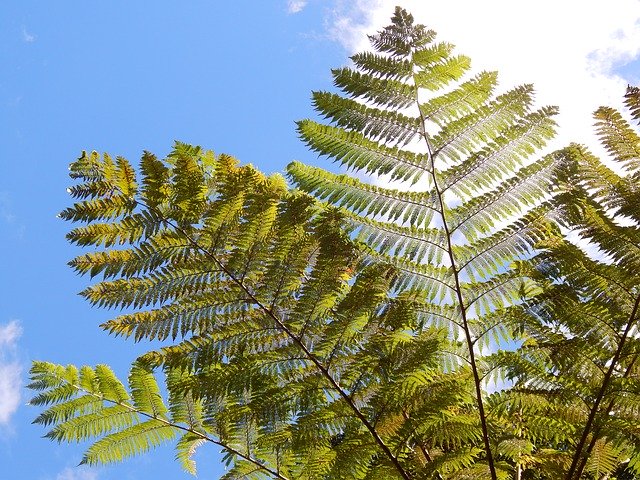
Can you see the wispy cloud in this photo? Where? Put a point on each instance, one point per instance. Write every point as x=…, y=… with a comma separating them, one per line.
x=8, y=217
x=295, y=6
x=5, y=208
x=28, y=37
x=9, y=334
x=569, y=50
x=77, y=473
x=10, y=371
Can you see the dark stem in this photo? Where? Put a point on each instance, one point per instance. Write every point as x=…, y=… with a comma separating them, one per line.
x=423, y=448
x=463, y=310
x=574, y=472
x=596, y=433
x=282, y=326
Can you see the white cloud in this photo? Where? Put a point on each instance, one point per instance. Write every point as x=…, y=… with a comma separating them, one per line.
x=10, y=371
x=26, y=36
x=10, y=384
x=568, y=50
x=9, y=334
x=295, y=6
x=77, y=473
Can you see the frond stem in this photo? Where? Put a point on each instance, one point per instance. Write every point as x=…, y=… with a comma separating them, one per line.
x=423, y=449
x=460, y=299
x=597, y=431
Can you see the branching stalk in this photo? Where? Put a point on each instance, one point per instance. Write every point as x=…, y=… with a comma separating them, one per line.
x=461, y=303
x=423, y=449
x=596, y=433
x=309, y=355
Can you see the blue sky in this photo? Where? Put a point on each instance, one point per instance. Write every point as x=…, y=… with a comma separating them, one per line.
x=124, y=77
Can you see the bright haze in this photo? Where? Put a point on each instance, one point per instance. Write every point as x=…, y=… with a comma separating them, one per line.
x=579, y=54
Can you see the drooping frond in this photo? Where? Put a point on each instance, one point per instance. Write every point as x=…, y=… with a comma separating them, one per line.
x=89, y=403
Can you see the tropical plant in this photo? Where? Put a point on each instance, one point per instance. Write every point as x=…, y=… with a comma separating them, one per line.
x=354, y=335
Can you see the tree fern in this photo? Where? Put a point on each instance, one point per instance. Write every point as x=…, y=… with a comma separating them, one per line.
x=353, y=335
x=470, y=198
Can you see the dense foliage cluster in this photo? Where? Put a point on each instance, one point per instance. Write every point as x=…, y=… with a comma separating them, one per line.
x=434, y=324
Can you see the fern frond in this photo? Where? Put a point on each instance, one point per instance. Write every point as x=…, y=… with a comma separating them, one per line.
x=460, y=102
x=127, y=443
x=155, y=179
x=499, y=158
x=469, y=203
x=145, y=391
x=410, y=242
x=617, y=136
x=396, y=69
x=480, y=215
x=373, y=123
x=462, y=136
x=382, y=92
x=185, y=449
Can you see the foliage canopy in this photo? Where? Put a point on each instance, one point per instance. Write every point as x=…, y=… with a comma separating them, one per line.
x=354, y=330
